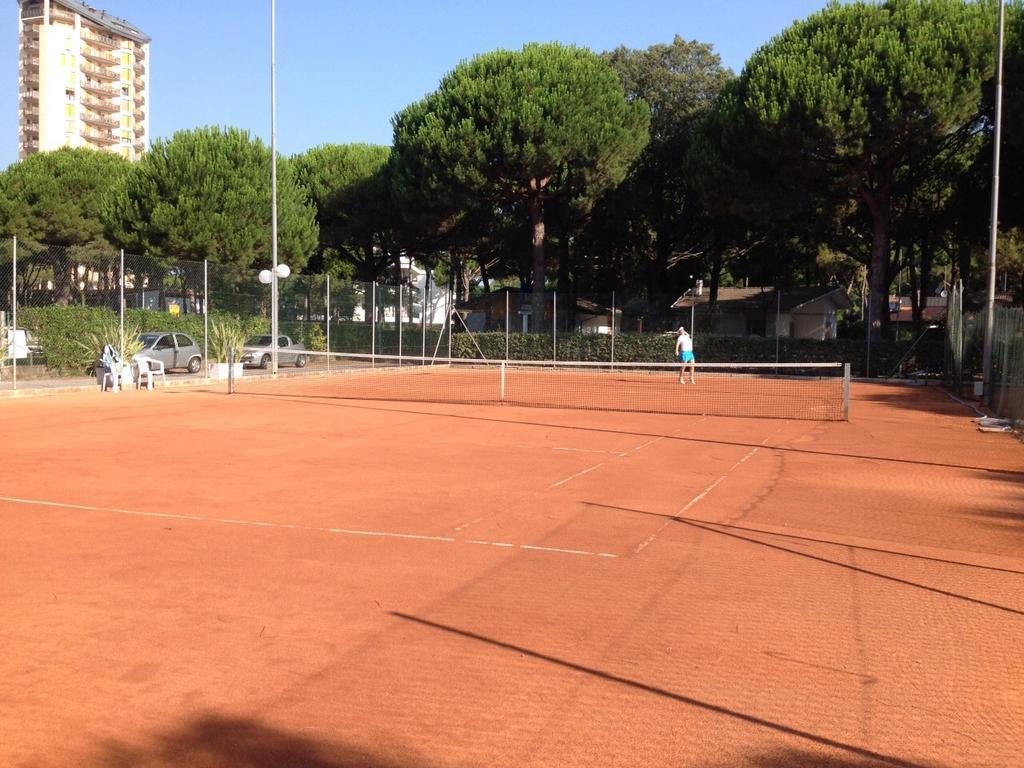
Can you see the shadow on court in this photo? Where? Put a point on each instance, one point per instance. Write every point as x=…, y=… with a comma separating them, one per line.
x=214, y=741
x=321, y=400
x=854, y=756
x=736, y=532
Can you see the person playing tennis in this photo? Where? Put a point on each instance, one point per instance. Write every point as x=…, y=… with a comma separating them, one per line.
x=684, y=351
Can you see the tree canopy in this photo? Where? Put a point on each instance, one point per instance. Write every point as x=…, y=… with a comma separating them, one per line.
x=349, y=187
x=844, y=101
x=56, y=197
x=522, y=127
x=205, y=194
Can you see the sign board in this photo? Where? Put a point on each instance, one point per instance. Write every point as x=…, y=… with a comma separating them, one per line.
x=17, y=344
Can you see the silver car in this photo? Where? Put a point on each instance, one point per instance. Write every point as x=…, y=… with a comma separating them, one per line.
x=258, y=353
x=174, y=350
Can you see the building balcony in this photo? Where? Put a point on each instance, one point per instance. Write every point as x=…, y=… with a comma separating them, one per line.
x=99, y=57
x=104, y=106
x=140, y=82
x=140, y=99
x=140, y=115
x=99, y=121
x=101, y=73
x=29, y=126
x=32, y=11
x=31, y=45
x=140, y=145
x=100, y=40
x=61, y=14
x=29, y=112
x=31, y=78
x=30, y=98
x=140, y=128
x=140, y=68
x=100, y=138
x=100, y=89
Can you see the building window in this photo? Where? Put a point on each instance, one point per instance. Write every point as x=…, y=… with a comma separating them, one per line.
x=126, y=75
x=124, y=91
x=69, y=110
x=126, y=60
x=69, y=96
x=69, y=126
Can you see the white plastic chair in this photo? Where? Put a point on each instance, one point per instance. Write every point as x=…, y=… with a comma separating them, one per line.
x=112, y=370
x=144, y=373
x=150, y=367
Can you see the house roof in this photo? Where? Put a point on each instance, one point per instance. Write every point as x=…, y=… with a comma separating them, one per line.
x=742, y=299
x=517, y=298
x=97, y=16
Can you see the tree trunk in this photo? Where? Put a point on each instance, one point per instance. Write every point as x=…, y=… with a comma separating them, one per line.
x=878, y=203
x=539, y=264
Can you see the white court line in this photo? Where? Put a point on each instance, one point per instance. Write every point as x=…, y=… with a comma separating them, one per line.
x=619, y=455
x=696, y=499
x=289, y=526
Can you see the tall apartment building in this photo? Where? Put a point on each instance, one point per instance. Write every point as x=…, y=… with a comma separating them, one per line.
x=83, y=80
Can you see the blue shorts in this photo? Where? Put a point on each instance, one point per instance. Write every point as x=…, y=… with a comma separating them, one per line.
x=686, y=357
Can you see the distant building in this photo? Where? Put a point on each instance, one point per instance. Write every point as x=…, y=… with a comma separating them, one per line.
x=83, y=80
x=800, y=313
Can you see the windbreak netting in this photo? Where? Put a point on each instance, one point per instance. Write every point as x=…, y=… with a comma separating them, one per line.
x=818, y=391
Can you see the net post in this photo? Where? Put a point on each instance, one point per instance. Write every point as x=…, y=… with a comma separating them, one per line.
x=503, y=368
x=846, y=391
x=231, y=371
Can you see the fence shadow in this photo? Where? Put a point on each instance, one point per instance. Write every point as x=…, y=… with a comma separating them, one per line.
x=860, y=757
x=218, y=741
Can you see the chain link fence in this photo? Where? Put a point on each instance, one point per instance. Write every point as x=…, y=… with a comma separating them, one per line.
x=59, y=305
x=965, y=340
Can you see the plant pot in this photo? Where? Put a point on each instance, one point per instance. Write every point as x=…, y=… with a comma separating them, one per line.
x=219, y=371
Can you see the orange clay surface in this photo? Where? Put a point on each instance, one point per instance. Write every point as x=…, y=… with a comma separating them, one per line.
x=189, y=578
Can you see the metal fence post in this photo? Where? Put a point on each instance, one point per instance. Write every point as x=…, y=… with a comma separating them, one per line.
x=206, y=317
x=613, y=327
x=327, y=318
x=846, y=392
x=506, y=324
x=424, y=297
x=14, y=314
x=399, y=325
x=120, y=309
x=554, y=326
x=373, y=323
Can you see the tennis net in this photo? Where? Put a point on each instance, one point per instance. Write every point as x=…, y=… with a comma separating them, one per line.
x=817, y=391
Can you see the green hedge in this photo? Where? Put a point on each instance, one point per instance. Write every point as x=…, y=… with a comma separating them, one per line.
x=59, y=329
x=635, y=347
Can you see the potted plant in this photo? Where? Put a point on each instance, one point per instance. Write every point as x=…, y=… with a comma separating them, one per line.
x=226, y=342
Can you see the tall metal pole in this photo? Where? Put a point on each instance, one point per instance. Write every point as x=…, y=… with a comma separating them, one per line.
x=399, y=324
x=778, y=322
x=373, y=322
x=273, y=183
x=327, y=318
x=424, y=301
x=506, y=325
x=993, y=235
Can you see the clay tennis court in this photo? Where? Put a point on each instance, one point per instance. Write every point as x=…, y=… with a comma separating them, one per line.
x=189, y=578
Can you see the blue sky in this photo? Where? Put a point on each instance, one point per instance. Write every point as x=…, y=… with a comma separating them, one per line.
x=345, y=68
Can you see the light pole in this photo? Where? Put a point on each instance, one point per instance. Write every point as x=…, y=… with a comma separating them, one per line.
x=270, y=277
x=993, y=236
x=274, y=274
